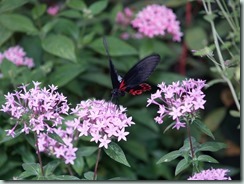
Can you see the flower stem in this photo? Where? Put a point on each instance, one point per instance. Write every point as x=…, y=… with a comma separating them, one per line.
x=223, y=68
x=190, y=141
x=39, y=155
x=96, y=166
x=194, y=163
x=70, y=170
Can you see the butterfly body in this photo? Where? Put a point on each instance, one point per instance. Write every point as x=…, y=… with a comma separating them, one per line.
x=133, y=81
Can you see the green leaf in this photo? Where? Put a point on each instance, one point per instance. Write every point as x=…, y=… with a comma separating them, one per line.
x=141, y=115
x=169, y=156
x=26, y=154
x=5, y=34
x=116, y=153
x=64, y=74
x=185, y=149
x=195, y=38
x=182, y=165
x=97, y=78
x=25, y=174
x=214, y=81
x=38, y=10
x=76, y=4
x=85, y=151
x=68, y=27
x=211, y=146
x=8, y=69
x=134, y=147
x=32, y=168
x=98, y=7
x=168, y=77
x=204, y=51
x=207, y=158
x=89, y=175
x=119, y=178
x=78, y=165
x=175, y=3
x=60, y=45
x=50, y=167
x=9, y=138
x=202, y=127
x=214, y=118
x=209, y=17
x=18, y=22
x=61, y=177
x=116, y=47
x=235, y=113
x=86, y=39
x=169, y=126
x=70, y=14
x=48, y=27
x=3, y=156
x=230, y=72
x=56, y=137
x=7, y=5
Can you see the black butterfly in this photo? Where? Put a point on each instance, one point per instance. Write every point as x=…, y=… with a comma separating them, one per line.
x=133, y=81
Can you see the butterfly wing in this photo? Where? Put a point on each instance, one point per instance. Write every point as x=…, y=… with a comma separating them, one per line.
x=116, y=79
x=140, y=89
x=139, y=73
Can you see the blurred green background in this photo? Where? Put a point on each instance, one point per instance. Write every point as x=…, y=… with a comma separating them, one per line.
x=68, y=52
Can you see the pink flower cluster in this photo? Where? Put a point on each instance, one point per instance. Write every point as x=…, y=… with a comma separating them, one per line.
x=211, y=174
x=178, y=100
x=102, y=120
x=17, y=56
x=53, y=10
x=156, y=20
x=50, y=146
x=125, y=17
x=40, y=110
x=36, y=108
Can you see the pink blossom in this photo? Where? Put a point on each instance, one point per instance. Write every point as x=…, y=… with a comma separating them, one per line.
x=157, y=20
x=17, y=56
x=102, y=120
x=211, y=174
x=40, y=110
x=178, y=101
x=36, y=108
x=53, y=10
x=64, y=151
x=124, y=17
x=123, y=20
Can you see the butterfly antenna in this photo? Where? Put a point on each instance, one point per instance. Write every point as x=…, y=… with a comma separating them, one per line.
x=112, y=97
x=106, y=47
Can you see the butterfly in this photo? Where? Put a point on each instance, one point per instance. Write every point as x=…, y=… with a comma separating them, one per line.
x=133, y=80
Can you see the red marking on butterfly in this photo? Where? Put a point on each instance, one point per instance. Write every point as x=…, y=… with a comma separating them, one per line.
x=142, y=88
x=133, y=80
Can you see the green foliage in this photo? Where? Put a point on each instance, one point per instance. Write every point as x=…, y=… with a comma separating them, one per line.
x=116, y=153
x=68, y=51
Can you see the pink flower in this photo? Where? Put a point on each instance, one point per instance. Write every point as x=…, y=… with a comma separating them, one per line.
x=17, y=56
x=156, y=20
x=40, y=110
x=37, y=110
x=102, y=120
x=53, y=10
x=50, y=146
x=211, y=174
x=178, y=100
x=124, y=18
